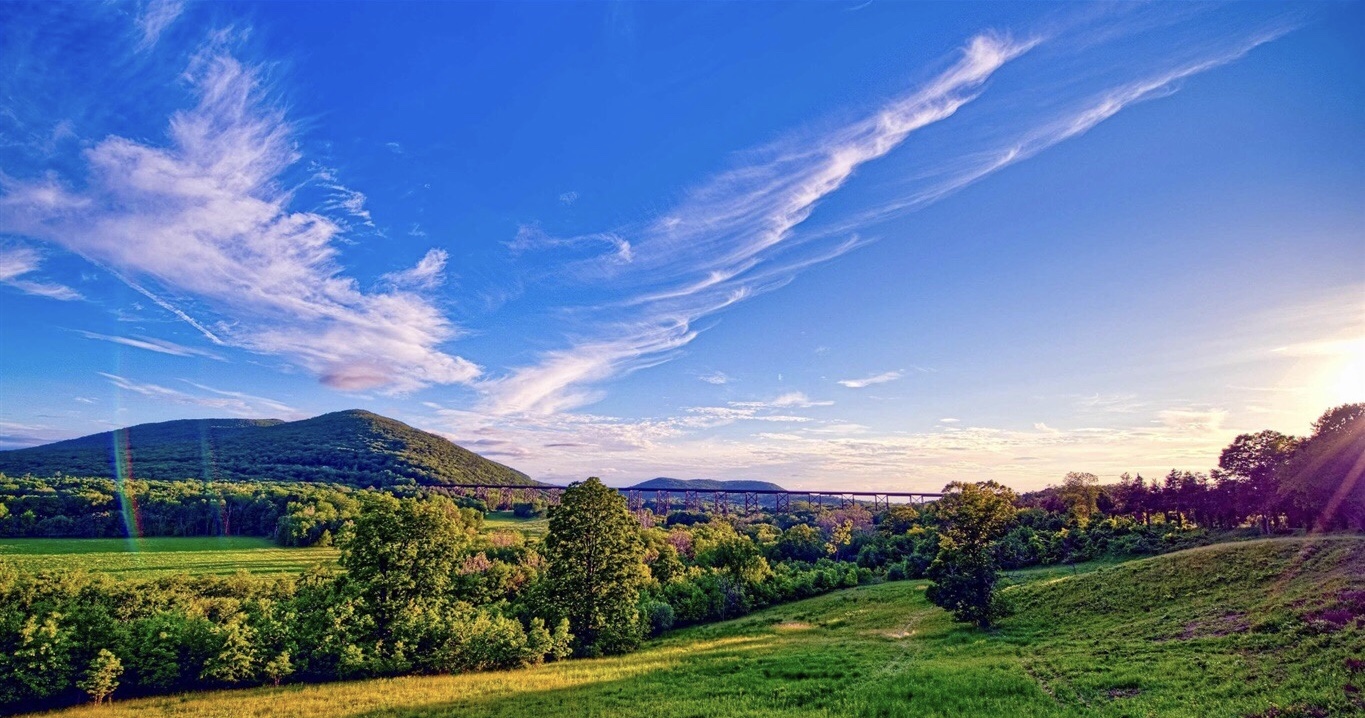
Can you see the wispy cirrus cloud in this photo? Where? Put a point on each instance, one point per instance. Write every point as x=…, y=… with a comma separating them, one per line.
x=429, y=271
x=709, y=252
x=746, y=231
x=160, y=346
x=867, y=381
x=16, y=262
x=206, y=216
x=233, y=402
x=153, y=19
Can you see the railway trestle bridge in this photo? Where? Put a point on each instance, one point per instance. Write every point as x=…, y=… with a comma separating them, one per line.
x=720, y=501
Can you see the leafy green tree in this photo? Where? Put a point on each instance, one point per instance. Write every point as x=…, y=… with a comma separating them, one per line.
x=278, y=668
x=39, y=665
x=1080, y=492
x=972, y=517
x=898, y=519
x=101, y=679
x=403, y=555
x=596, y=567
x=801, y=542
x=1248, y=469
x=1326, y=476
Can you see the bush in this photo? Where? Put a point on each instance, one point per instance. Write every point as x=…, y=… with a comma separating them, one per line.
x=657, y=617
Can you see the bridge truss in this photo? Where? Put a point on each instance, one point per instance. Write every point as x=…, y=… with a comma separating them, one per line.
x=719, y=501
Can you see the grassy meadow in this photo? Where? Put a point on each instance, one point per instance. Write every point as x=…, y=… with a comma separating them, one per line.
x=159, y=556
x=1261, y=629
x=503, y=520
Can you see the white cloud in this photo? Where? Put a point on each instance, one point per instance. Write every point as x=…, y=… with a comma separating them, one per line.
x=233, y=402
x=949, y=420
x=708, y=253
x=206, y=216
x=18, y=261
x=716, y=377
x=712, y=441
x=869, y=381
x=429, y=272
x=154, y=18
x=160, y=346
x=1193, y=420
x=531, y=237
x=568, y=198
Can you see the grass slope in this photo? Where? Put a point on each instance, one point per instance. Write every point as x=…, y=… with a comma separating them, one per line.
x=151, y=557
x=1230, y=630
x=351, y=447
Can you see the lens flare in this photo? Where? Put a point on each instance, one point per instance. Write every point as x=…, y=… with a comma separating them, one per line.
x=123, y=473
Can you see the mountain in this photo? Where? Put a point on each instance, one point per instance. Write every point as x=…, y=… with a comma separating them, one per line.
x=664, y=482
x=352, y=447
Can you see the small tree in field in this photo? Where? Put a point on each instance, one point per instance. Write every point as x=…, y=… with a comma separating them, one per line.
x=279, y=668
x=596, y=568
x=101, y=679
x=965, y=572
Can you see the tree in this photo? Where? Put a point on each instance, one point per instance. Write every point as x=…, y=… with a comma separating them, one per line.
x=898, y=519
x=404, y=553
x=1326, y=477
x=596, y=568
x=972, y=517
x=278, y=668
x=101, y=679
x=1080, y=492
x=1249, y=468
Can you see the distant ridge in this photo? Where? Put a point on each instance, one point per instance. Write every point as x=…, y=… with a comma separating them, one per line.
x=664, y=482
x=351, y=447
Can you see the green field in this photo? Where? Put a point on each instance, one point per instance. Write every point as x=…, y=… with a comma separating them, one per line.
x=1227, y=630
x=534, y=528
x=148, y=557
x=159, y=556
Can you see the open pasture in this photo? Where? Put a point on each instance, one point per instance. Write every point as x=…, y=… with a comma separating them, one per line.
x=1252, y=629
x=504, y=520
x=150, y=557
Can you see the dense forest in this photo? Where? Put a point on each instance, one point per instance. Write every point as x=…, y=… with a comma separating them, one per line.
x=348, y=447
x=421, y=587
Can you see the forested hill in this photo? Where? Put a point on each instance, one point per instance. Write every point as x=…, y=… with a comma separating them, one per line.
x=664, y=482
x=351, y=447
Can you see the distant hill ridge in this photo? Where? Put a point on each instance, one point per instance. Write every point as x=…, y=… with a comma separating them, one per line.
x=351, y=447
x=664, y=482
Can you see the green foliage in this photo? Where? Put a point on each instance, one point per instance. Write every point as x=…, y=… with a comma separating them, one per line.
x=965, y=572
x=101, y=678
x=596, y=568
x=1081, y=492
x=278, y=668
x=349, y=447
x=402, y=554
x=1325, y=478
x=1222, y=632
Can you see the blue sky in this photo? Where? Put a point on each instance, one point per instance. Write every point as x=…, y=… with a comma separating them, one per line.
x=883, y=245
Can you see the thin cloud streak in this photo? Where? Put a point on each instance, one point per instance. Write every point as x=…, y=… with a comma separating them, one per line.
x=726, y=228
x=15, y=262
x=236, y=403
x=727, y=235
x=160, y=346
x=871, y=380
